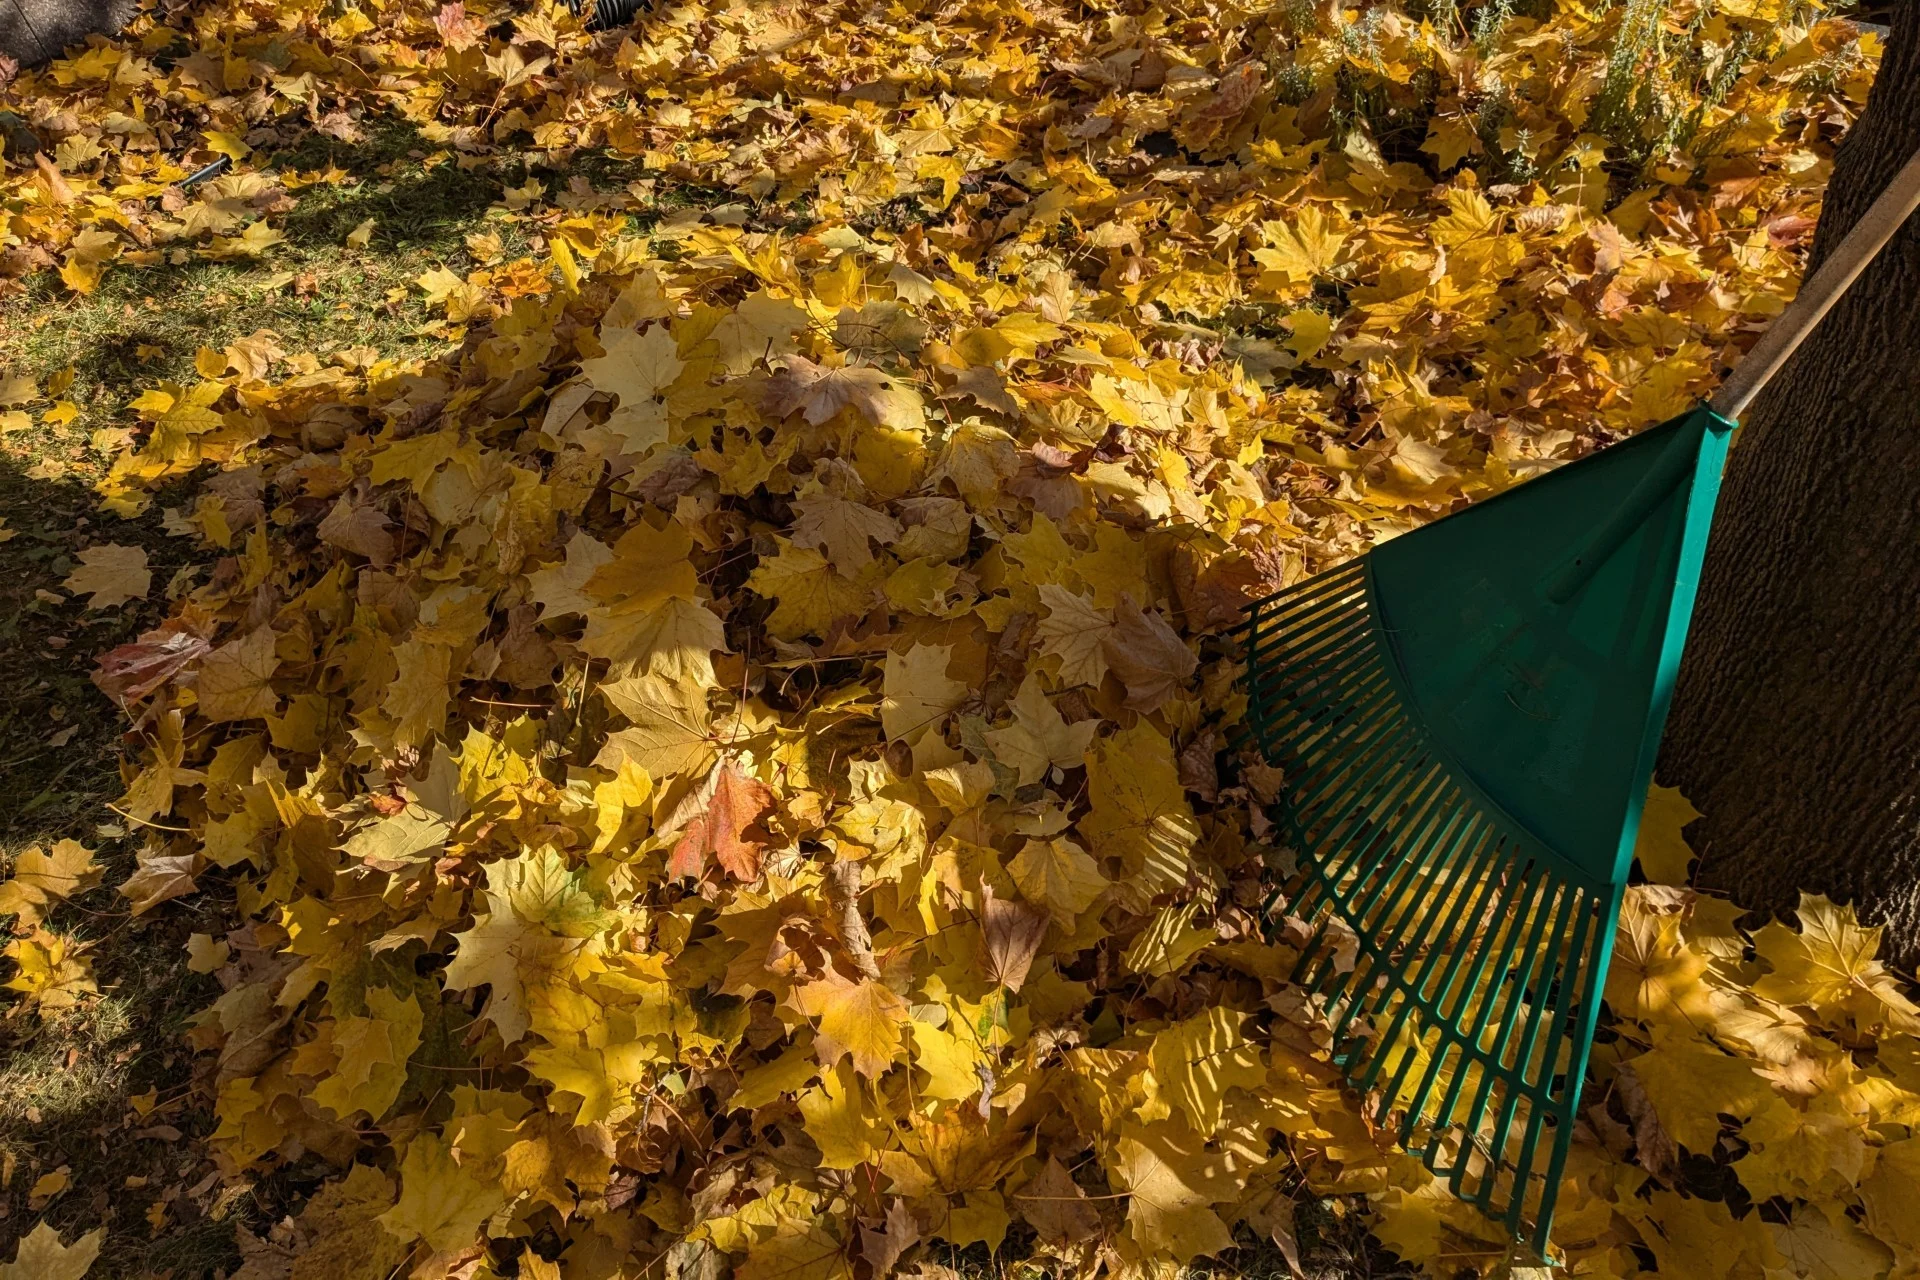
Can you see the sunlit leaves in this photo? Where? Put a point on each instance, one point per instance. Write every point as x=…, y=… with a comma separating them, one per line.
x=1140, y=815
x=736, y=755
x=861, y=1021
x=42, y=877
x=1829, y=965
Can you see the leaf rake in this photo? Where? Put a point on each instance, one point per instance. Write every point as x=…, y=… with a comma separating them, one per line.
x=1466, y=720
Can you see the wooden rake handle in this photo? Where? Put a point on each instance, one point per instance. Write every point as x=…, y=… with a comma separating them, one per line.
x=1817, y=295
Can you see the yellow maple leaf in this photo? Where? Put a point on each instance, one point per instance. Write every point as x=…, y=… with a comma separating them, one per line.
x=111, y=575
x=1199, y=1059
x=1039, y=738
x=1449, y=139
x=1829, y=966
x=797, y=1252
x=810, y=594
x=842, y=528
x=760, y=328
x=1167, y=1213
x=1819, y=1247
x=51, y=972
x=234, y=681
x=1794, y=1149
x=1296, y=254
x=952, y=1061
x=441, y=1201
x=1168, y=942
x=417, y=699
x=1691, y=1083
x=1075, y=631
x=560, y=589
x=1411, y=1222
x=864, y=1019
x=672, y=726
x=1659, y=848
x=837, y=1116
x=509, y=955
x=1059, y=875
x=602, y=1077
x=557, y=1162
x=916, y=691
x=1891, y=1194
x=372, y=1055
x=1139, y=814
x=340, y=1227
x=42, y=876
x=41, y=1256
x=1655, y=976
x=1693, y=1237
x=638, y=368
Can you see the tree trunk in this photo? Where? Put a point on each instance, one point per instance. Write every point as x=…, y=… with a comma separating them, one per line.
x=1796, y=722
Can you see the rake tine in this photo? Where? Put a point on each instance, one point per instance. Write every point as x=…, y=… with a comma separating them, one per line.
x=1454, y=718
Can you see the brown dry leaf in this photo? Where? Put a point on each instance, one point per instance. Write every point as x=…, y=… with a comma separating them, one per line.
x=235, y=680
x=1057, y=1208
x=1148, y=655
x=129, y=672
x=897, y=1233
x=1012, y=933
x=157, y=879
x=360, y=529
x=818, y=393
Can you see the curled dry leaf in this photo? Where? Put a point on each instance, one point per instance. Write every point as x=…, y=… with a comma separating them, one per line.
x=129, y=672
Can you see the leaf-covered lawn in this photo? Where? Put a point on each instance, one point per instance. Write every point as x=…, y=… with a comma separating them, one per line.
x=672, y=594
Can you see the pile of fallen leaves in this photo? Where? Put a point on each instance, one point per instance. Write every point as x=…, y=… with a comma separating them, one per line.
x=738, y=759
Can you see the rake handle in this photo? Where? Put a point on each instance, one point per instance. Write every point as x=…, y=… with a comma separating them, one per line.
x=1863, y=241
x=1817, y=296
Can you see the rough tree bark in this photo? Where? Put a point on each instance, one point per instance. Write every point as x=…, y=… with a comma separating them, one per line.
x=1796, y=722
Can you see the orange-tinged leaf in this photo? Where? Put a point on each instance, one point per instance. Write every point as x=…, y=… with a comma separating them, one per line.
x=724, y=826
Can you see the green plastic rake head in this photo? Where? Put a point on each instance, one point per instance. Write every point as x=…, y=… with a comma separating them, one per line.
x=1466, y=719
